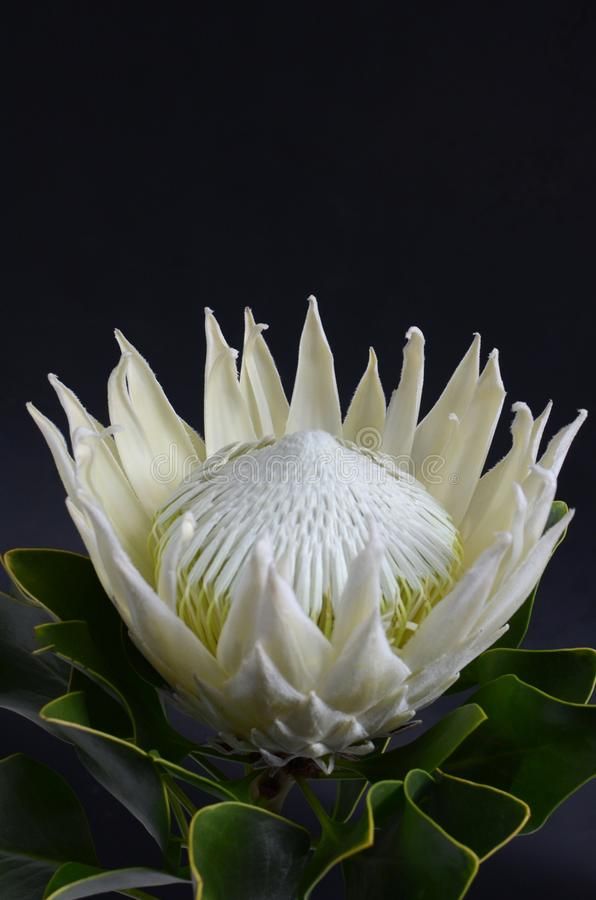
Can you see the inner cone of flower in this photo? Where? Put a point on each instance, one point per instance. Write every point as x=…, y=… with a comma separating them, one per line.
x=306, y=583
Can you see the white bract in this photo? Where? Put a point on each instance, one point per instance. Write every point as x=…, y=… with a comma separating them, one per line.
x=305, y=584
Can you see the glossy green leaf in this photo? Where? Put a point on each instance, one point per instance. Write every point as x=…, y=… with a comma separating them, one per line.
x=241, y=851
x=412, y=856
x=42, y=825
x=565, y=674
x=478, y=816
x=532, y=746
x=74, y=881
x=125, y=770
x=90, y=634
x=27, y=681
x=109, y=715
x=73, y=642
x=520, y=621
x=427, y=752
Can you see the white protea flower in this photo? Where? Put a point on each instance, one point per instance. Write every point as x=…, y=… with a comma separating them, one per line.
x=306, y=584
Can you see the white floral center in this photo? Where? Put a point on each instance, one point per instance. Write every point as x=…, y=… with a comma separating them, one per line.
x=314, y=497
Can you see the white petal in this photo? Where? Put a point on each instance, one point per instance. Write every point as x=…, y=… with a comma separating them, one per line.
x=315, y=401
x=517, y=549
x=255, y=695
x=175, y=650
x=539, y=489
x=264, y=608
x=100, y=473
x=455, y=615
x=467, y=454
x=517, y=587
x=455, y=399
x=402, y=415
x=197, y=442
x=361, y=596
x=83, y=526
x=388, y=714
x=365, y=419
x=313, y=721
x=366, y=670
x=227, y=419
x=152, y=442
x=55, y=441
x=430, y=682
x=538, y=430
x=260, y=382
x=558, y=447
x=493, y=503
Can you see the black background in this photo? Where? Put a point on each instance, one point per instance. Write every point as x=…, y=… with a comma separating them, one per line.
x=427, y=163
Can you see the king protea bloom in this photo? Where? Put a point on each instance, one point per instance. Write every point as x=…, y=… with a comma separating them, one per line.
x=306, y=583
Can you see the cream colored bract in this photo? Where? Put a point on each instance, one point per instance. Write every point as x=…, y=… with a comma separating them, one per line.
x=305, y=584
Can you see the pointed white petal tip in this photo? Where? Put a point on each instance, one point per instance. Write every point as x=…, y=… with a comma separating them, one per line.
x=250, y=322
x=214, y=332
x=59, y=386
x=520, y=406
x=492, y=368
x=35, y=413
x=373, y=360
x=414, y=332
x=123, y=343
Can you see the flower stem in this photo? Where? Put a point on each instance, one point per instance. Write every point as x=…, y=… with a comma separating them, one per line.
x=314, y=803
x=179, y=816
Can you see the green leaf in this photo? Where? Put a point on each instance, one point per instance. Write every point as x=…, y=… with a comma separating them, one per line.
x=532, y=746
x=481, y=817
x=90, y=635
x=412, y=856
x=72, y=641
x=566, y=674
x=125, y=770
x=428, y=752
x=236, y=850
x=73, y=881
x=42, y=825
x=520, y=621
x=27, y=681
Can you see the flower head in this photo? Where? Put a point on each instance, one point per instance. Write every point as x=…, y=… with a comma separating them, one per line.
x=306, y=583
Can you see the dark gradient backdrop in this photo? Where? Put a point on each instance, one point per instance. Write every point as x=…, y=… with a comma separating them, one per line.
x=428, y=163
